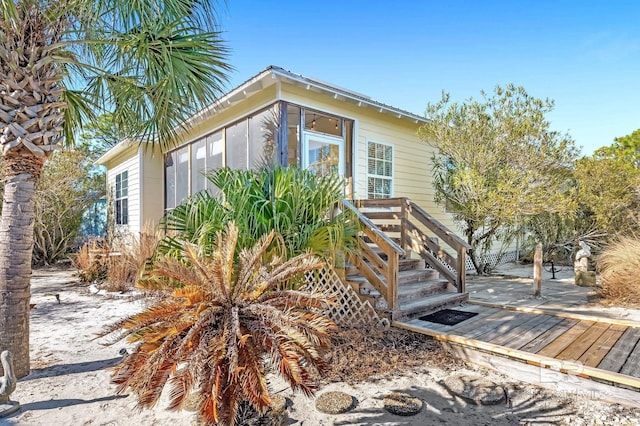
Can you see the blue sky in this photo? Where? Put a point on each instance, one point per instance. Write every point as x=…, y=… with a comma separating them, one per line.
x=583, y=54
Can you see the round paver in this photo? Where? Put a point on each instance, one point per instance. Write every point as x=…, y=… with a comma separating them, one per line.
x=476, y=390
x=335, y=402
x=402, y=404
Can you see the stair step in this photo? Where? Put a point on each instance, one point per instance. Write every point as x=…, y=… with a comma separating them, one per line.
x=404, y=278
x=428, y=305
x=403, y=265
x=411, y=291
x=421, y=289
x=408, y=264
x=416, y=275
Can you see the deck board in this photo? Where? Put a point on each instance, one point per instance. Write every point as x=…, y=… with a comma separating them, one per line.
x=632, y=366
x=505, y=328
x=564, y=340
x=605, y=350
x=483, y=318
x=583, y=342
x=496, y=320
x=602, y=346
x=483, y=313
x=480, y=310
x=521, y=330
x=618, y=355
x=548, y=323
x=549, y=336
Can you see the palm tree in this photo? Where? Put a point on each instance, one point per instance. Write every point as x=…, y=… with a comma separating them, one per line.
x=223, y=321
x=151, y=63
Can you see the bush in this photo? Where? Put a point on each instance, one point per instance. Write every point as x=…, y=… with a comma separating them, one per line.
x=619, y=267
x=297, y=204
x=119, y=266
x=222, y=324
x=128, y=260
x=91, y=261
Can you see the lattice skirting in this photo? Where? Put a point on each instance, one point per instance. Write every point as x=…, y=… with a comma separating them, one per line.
x=492, y=259
x=349, y=310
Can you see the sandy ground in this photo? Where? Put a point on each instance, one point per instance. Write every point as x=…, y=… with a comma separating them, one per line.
x=69, y=383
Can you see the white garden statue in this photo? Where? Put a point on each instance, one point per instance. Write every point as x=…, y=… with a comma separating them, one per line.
x=7, y=385
x=583, y=277
x=582, y=257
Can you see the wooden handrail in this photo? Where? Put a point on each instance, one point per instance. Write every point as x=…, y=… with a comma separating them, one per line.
x=382, y=240
x=450, y=265
x=377, y=266
x=436, y=227
x=432, y=252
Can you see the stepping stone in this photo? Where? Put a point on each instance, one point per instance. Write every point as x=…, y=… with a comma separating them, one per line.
x=402, y=404
x=335, y=402
x=476, y=390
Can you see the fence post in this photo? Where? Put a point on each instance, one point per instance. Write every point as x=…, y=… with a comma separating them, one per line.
x=392, y=281
x=537, y=271
x=461, y=270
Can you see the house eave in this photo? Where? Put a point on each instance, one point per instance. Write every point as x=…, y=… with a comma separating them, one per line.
x=273, y=74
x=114, y=151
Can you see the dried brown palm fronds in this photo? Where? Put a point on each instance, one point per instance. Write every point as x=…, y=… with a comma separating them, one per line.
x=214, y=333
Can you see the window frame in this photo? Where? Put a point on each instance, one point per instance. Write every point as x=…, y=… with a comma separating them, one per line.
x=390, y=178
x=121, y=201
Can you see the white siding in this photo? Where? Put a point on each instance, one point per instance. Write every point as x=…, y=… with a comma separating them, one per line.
x=130, y=162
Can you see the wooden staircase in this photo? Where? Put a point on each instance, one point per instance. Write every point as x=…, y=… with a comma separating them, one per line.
x=402, y=269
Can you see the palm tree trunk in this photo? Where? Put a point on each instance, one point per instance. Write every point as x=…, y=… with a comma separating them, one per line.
x=16, y=235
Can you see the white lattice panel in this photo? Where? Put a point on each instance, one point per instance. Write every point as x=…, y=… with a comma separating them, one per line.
x=493, y=260
x=349, y=310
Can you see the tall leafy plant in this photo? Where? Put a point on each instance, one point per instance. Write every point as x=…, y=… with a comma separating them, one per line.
x=297, y=204
x=497, y=161
x=223, y=322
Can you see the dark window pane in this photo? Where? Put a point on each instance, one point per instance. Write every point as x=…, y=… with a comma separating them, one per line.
x=118, y=212
x=125, y=212
x=170, y=180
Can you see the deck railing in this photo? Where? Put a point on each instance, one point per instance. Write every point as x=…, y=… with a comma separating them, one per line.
x=413, y=229
x=381, y=268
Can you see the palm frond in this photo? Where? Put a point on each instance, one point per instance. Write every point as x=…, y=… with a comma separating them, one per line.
x=215, y=330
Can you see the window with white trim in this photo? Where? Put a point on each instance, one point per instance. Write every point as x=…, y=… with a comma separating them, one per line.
x=379, y=170
x=122, y=198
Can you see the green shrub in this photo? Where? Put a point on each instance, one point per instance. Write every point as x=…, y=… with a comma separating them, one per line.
x=297, y=204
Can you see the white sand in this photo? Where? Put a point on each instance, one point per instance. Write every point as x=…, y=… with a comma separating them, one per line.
x=69, y=383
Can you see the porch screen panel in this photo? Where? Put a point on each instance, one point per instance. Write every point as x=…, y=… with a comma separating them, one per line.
x=236, y=146
x=215, y=152
x=170, y=180
x=182, y=175
x=263, y=129
x=293, y=135
x=198, y=166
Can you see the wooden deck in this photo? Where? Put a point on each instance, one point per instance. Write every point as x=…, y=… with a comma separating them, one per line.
x=594, y=353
